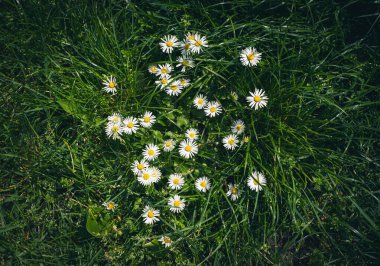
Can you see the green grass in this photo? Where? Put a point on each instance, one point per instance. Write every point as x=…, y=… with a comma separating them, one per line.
x=317, y=141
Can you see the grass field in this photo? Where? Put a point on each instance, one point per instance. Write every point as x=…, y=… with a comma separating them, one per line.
x=316, y=142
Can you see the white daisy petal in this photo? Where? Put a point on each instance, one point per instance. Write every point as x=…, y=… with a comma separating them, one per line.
x=176, y=204
x=147, y=120
x=110, y=85
x=203, y=184
x=256, y=181
x=230, y=142
x=233, y=192
x=212, y=109
x=130, y=125
x=238, y=127
x=258, y=99
x=165, y=240
x=169, y=145
x=200, y=101
x=188, y=148
x=168, y=43
x=176, y=181
x=150, y=215
x=151, y=152
x=139, y=166
x=250, y=57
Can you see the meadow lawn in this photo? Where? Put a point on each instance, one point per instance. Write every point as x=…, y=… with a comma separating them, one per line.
x=316, y=141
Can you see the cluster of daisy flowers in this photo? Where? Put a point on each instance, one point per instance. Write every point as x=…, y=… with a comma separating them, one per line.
x=117, y=125
x=193, y=43
x=147, y=174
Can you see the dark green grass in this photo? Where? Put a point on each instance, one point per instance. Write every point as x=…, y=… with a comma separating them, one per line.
x=317, y=141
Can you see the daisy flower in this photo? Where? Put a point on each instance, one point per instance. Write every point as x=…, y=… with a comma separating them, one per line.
x=174, y=89
x=150, y=215
x=203, y=184
x=152, y=69
x=233, y=192
x=256, y=181
x=212, y=109
x=110, y=85
x=188, y=148
x=238, y=127
x=147, y=120
x=114, y=130
x=169, y=145
x=164, y=70
x=151, y=152
x=139, y=166
x=168, y=43
x=176, y=204
x=110, y=205
x=146, y=178
x=185, y=82
x=230, y=142
x=250, y=57
x=198, y=42
x=257, y=99
x=185, y=47
x=163, y=82
x=156, y=174
x=115, y=118
x=190, y=36
x=200, y=101
x=185, y=62
x=176, y=181
x=165, y=240
x=192, y=134
x=130, y=125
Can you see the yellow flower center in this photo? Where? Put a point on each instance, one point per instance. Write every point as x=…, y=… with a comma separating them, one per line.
x=238, y=127
x=174, y=87
x=177, y=203
x=213, y=109
x=130, y=124
x=185, y=62
x=153, y=69
x=164, y=81
x=110, y=205
x=151, y=152
x=150, y=214
x=115, y=128
x=198, y=43
x=187, y=46
x=250, y=57
x=168, y=144
x=188, y=148
x=146, y=176
x=203, y=183
x=169, y=43
x=146, y=119
x=115, y=119
x=176, y=181
x=200, y=101
x=140, y=166
x=111, y=85
x=167, y=240
x=183, y=82
x=231, y=141
x=257, y=98
x=192, y=135
x=191, y=37
x=255, y=182
x=234, y=190
x=164, y=71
